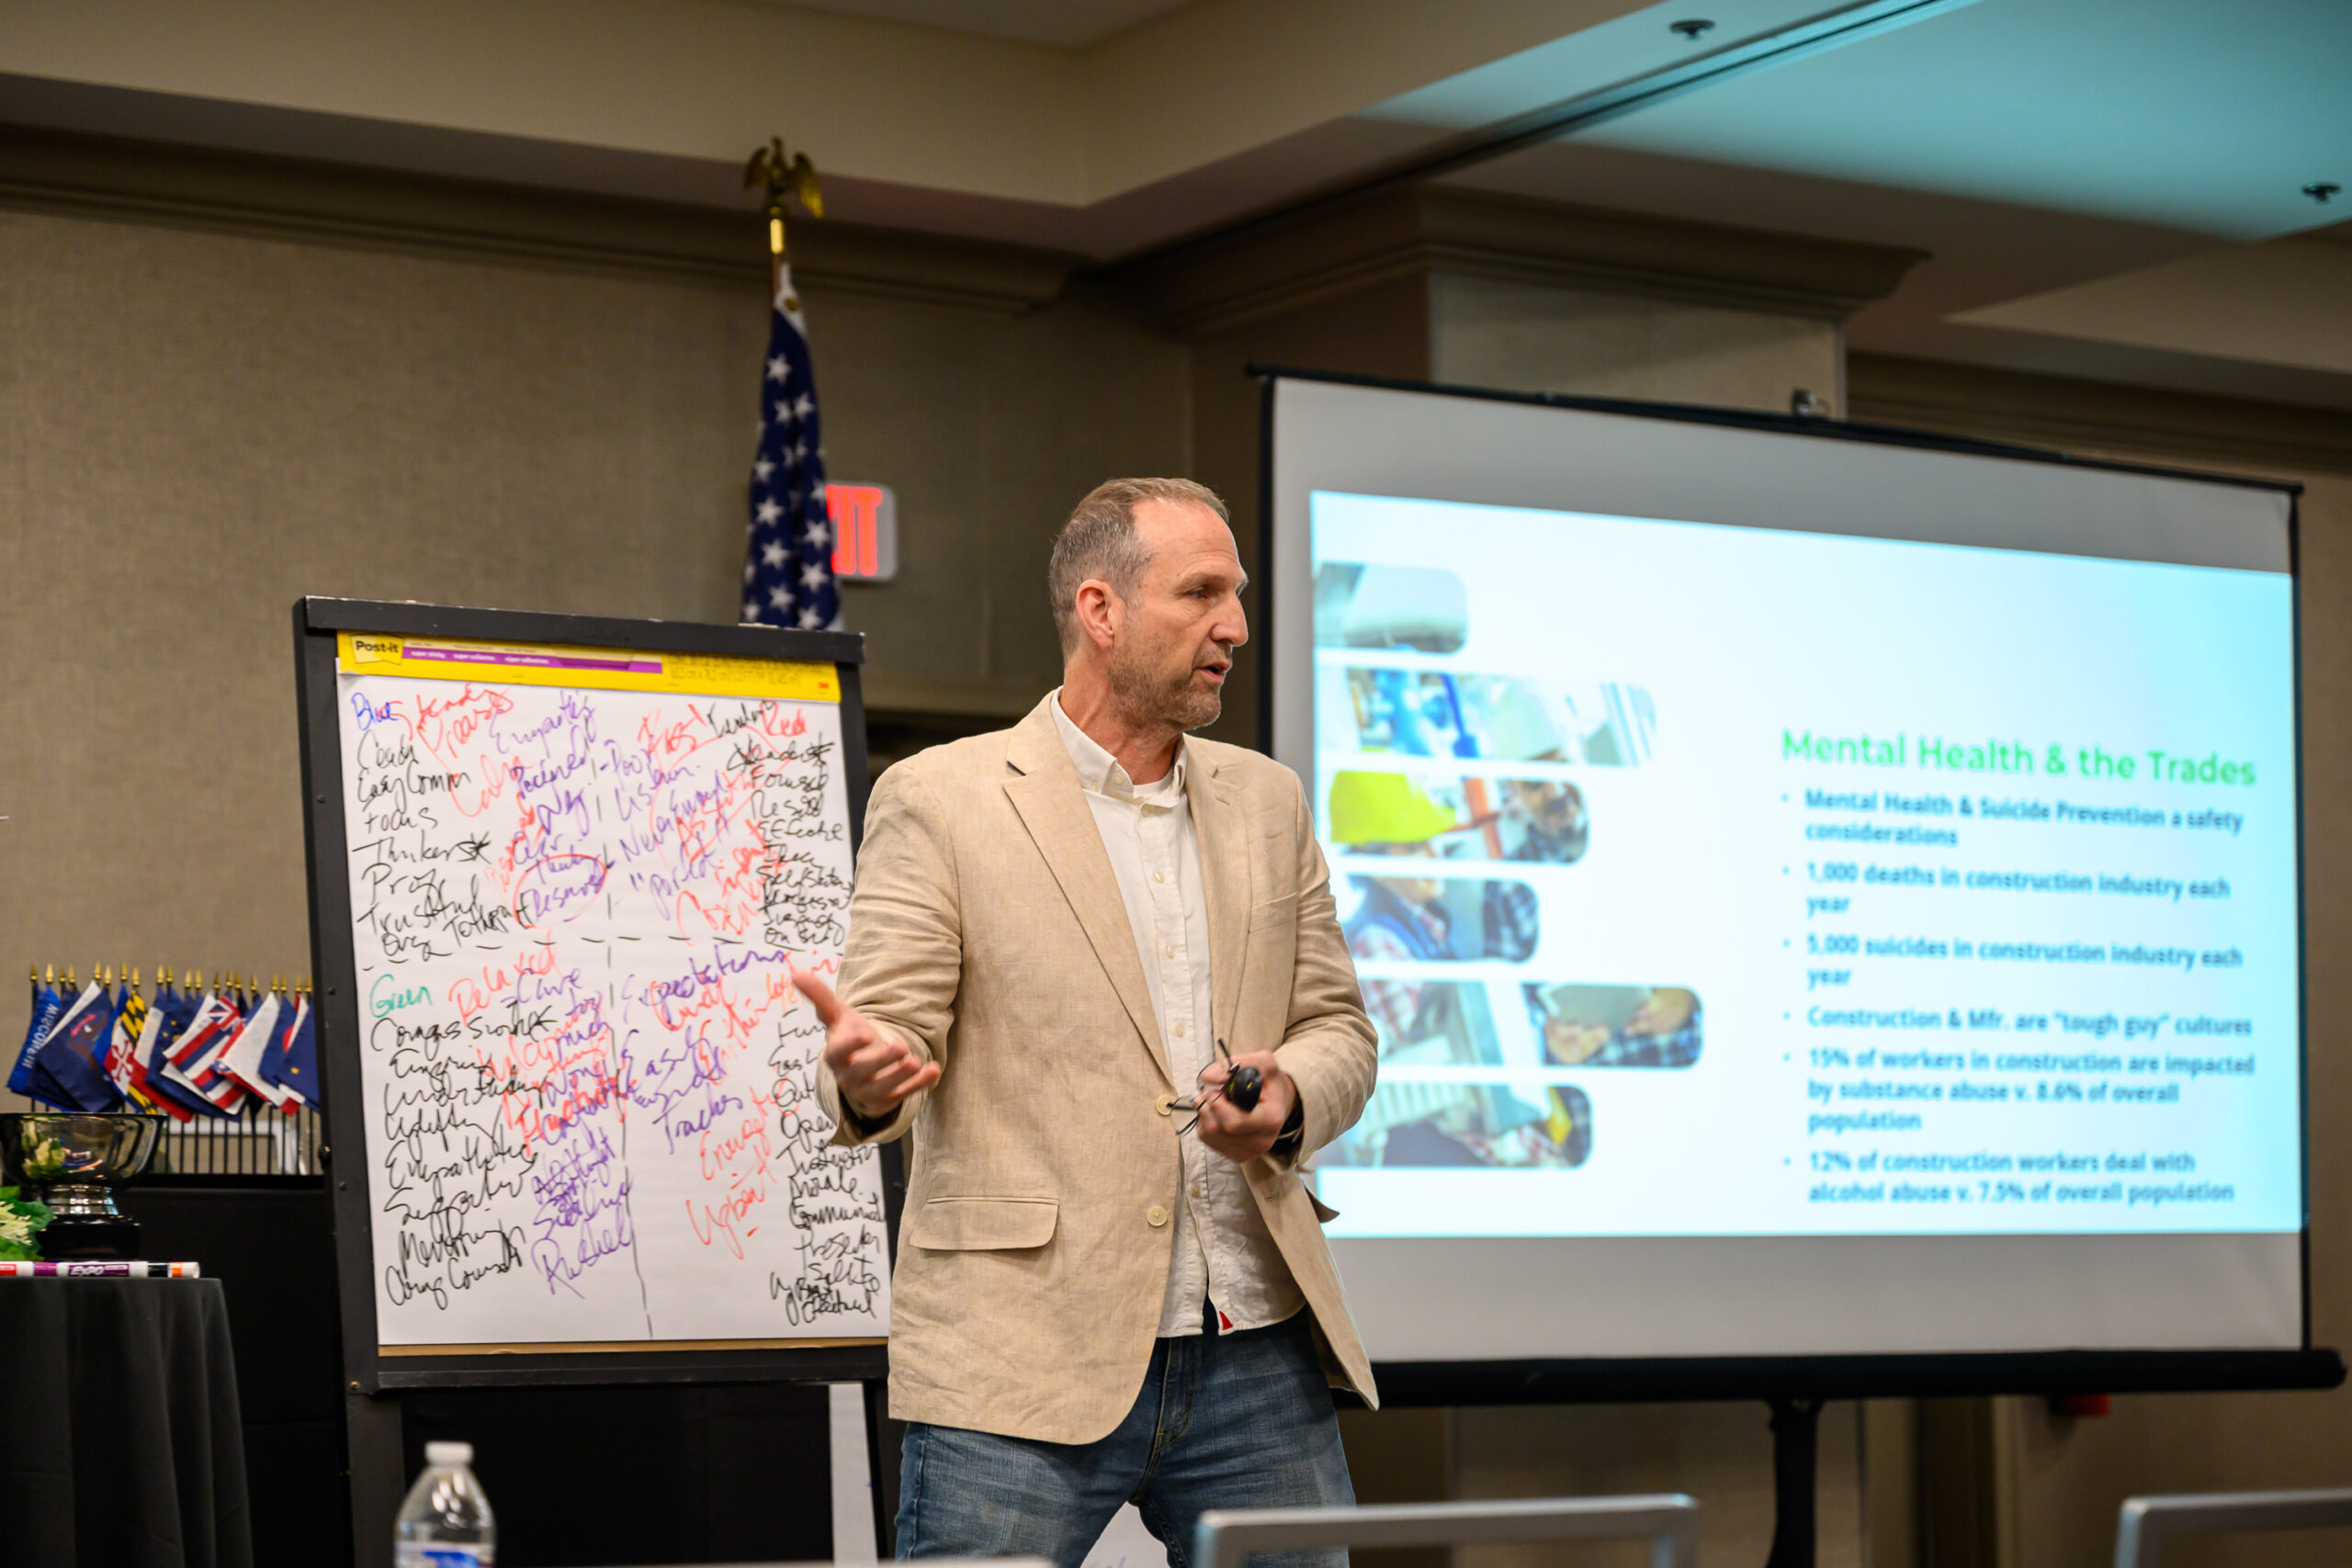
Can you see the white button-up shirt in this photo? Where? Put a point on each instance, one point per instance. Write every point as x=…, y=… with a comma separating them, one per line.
x=1223, y=1252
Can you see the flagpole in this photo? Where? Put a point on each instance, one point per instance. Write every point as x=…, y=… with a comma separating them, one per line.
x=776, y=253
x=788, y=548
x=782, y=180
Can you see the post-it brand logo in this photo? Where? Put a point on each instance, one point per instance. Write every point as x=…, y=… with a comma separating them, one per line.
x=375, y=648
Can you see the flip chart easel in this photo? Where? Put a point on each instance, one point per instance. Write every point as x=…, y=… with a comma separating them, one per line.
x=559, y=867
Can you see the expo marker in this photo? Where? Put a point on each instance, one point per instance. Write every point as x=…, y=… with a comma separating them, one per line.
x=71, y=1270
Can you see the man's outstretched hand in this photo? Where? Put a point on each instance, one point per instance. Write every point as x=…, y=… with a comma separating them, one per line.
x=1242, y=1135
x=874, y=1072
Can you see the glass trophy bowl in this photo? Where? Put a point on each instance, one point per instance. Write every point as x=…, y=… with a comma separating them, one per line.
x=72, y=1161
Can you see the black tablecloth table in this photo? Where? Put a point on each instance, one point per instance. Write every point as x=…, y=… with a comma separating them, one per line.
x=119, y=1443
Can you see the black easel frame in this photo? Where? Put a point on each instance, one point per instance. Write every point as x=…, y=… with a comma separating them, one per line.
x=372, y=1385
x=1795, y=1387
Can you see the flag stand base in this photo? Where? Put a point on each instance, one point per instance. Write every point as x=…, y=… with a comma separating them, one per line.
x=77, y=1237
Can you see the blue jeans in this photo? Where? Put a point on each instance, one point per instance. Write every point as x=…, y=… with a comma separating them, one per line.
x=1240, y=1420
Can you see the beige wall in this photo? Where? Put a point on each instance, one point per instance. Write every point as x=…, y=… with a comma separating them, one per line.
x=1379, y=330
x=205, y=419
x=990, y=428
x=1435, y=283
x=205, y=427
x=1491, y=332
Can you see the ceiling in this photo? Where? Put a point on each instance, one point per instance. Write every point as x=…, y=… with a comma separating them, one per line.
x=2108, y=188
x=1071, y=24
x=2103, y=189
x=2178, y=113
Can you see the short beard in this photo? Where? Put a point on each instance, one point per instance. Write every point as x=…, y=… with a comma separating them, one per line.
x=1143, y=700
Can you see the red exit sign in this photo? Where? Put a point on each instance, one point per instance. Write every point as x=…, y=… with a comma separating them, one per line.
x=865, y=532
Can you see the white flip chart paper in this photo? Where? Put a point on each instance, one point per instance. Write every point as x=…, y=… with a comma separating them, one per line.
x=580, y=879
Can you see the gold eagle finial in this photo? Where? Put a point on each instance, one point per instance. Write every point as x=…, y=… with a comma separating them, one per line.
x=794, y=179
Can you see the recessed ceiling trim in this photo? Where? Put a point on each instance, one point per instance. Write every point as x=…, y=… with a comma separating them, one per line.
x=1061, y=24
x=1430, y=229
x=1832, y=28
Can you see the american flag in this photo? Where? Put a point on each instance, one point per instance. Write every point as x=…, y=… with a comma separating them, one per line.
x=789, y=548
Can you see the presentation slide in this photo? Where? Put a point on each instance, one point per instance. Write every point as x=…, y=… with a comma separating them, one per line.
x=1820, y=891
x=1711, y=880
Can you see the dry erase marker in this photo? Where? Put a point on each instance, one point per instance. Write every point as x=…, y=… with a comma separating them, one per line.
x=71, y=1270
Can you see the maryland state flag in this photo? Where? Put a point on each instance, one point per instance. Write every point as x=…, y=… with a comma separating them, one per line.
x=122, y=1043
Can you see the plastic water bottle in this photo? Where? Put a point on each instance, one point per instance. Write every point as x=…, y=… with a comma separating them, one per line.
x=447, y=1522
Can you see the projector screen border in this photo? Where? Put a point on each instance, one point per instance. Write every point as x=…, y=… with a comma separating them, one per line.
x=1756, y=419
x=1613, y=1380
x=1672, y=1380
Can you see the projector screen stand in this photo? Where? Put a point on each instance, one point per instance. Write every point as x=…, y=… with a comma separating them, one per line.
x=1796, y=1429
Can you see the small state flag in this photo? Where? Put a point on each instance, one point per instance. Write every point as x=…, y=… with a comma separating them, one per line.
x=67, y=1070
x=788, y=548
x=225, y=1094
x=194, y=1060
x=178, y=1013
x=241, y=1061
x=49, y=1005
x=163, y=1014
x=122, y=1043
x=291, y=1063
x=302, y=1057
x=193, y=1040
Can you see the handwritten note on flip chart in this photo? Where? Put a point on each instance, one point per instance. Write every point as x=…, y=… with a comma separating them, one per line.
x=578, y=879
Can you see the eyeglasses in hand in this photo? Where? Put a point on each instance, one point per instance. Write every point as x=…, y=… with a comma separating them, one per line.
x=1241, y=1086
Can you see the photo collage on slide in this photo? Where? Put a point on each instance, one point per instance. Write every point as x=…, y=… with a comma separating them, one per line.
x=1455, y=809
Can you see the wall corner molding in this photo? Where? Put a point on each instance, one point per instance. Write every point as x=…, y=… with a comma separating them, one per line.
x=174, y=186
x=2156, y=423
x=1281, y=264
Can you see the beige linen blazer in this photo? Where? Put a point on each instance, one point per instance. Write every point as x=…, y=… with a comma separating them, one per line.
x=987, y=932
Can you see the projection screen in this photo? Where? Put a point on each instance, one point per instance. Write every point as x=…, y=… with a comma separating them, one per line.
x=1817, y=895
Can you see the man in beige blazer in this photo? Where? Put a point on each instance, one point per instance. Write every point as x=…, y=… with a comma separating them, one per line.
x=1111, y=1281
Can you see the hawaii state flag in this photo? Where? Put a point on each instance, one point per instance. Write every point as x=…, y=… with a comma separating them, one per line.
x=194, y=1062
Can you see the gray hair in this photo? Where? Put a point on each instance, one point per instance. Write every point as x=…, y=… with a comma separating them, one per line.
x=1098, y=542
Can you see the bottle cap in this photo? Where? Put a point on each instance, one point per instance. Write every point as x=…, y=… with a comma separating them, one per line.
x=448, y=1453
